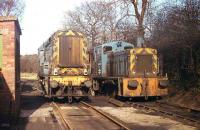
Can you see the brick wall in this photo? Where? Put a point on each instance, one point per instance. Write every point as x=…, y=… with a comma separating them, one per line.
x=10, y=69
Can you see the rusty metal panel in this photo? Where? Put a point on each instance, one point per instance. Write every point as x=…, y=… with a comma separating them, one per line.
x=110, y=65
x=119, y=65
x=123, y=64
x=70, y=52
x=144, y=64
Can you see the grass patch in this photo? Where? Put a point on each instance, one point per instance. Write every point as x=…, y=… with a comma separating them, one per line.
x=29, y=76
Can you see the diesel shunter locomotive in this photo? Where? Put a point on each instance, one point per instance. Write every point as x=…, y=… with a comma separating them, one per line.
x=64, y=65
x=120, y=69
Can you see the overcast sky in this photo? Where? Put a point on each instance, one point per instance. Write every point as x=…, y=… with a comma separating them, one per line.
x=41, y=19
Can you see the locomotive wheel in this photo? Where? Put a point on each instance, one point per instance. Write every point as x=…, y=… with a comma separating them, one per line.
x=80, y=93
x=92, y=92
x=70, y=99
x=77, y=99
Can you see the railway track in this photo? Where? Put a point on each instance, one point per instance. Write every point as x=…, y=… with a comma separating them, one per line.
x=180, y=107
x=122, y=126
x=90, y=118
x=60, y=114
x=162, y=109
x=186, y=119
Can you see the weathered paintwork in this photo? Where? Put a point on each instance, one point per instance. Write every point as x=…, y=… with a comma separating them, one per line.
x=134, y=73
x=146, y=87
x=64, y=64
x=144, y=52
x=63, y=50
x=125, y=63
x=70, y=80
x=101, y=57
x=125, y=66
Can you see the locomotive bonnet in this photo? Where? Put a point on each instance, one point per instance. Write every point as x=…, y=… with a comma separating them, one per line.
x=64, y=65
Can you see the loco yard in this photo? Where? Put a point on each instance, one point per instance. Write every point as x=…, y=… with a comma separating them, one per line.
x=99, y=112
x=108, y=87
x=115, y=68
x=100, y=65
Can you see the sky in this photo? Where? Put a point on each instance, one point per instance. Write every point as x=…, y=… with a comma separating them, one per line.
x=41, y=19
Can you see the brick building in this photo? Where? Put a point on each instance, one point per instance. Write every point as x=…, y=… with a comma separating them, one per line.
x=9, y=67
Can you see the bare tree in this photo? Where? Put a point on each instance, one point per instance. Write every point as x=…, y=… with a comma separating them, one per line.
x=101, y=21
x=12, y=7
x=120, y=21
x=176, y=34
x=140, y=19
x=87, y=19
x=126, y=31
x=29, y=63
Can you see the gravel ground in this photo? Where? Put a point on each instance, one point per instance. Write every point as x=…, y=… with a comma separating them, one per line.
x=40, y=112
x=81, y=118
x=141, y=120
x=36, y=112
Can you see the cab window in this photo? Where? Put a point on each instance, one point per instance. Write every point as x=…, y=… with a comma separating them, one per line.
x=127, y=47
x=107, y=48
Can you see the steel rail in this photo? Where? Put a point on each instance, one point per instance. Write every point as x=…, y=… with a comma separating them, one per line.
x=55, y=106
x=181, y=107
x=171, y=114
x=197, y=122
x=107, y=116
